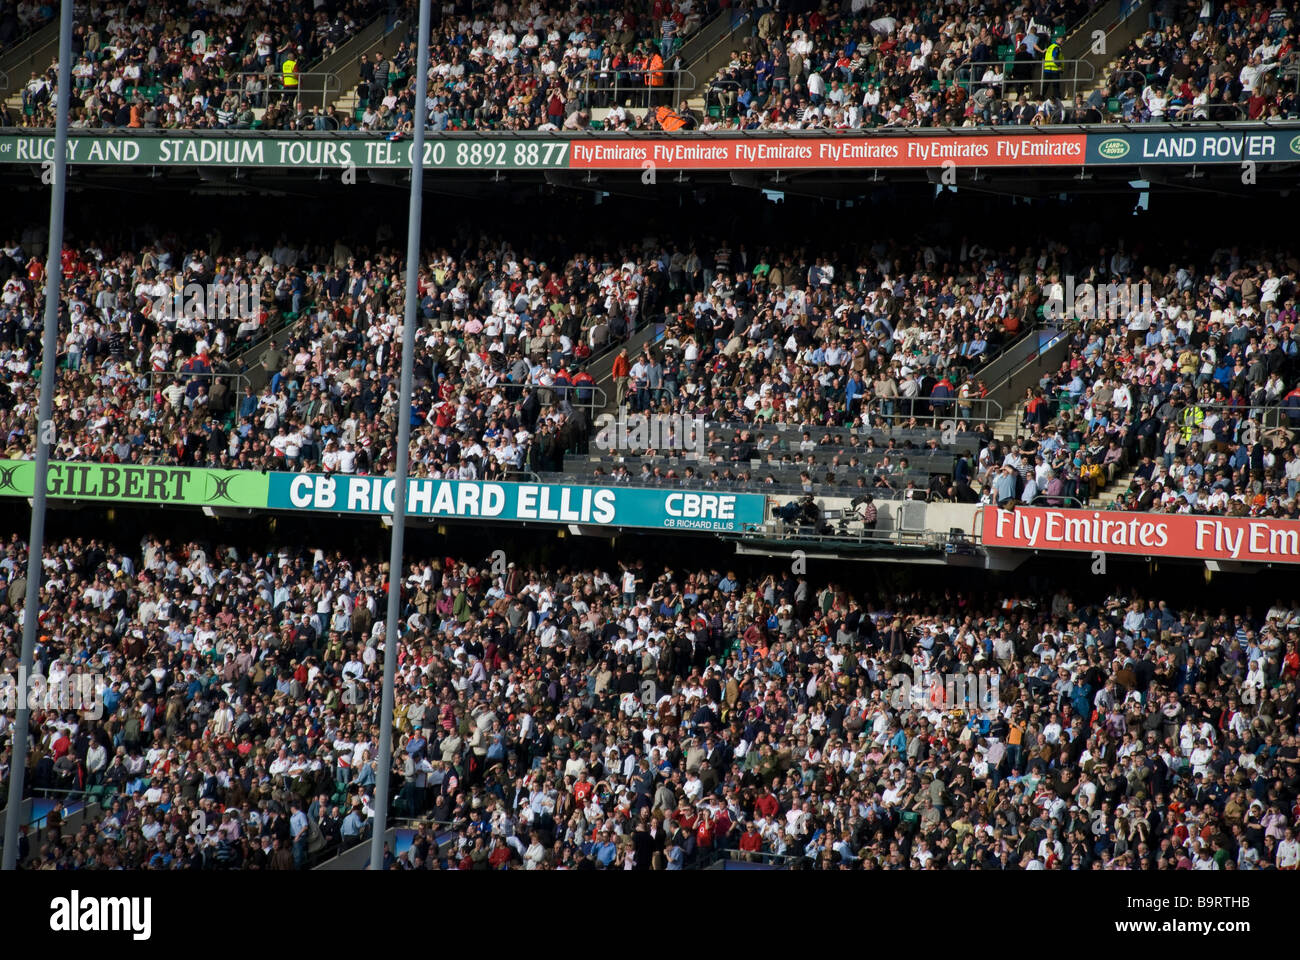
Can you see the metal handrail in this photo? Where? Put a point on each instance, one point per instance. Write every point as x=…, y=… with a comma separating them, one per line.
x=947, y=407
x=854, y=428
x=1130, y=78
x=1235, y=110
x=711, y=34
x=897, y=535
x=1270, y=415
x=1252, y=410
x=725, y=36
x=596, y=401
x=1044, y=497
x=595, y=136
x=780, y=444
x=1034, y=357
x=969, y=82
x=254, y=351
x=242, y=385
x=321, y=116
x=1218, y=112
x=616, y=85
x=701, y=483
x=274, y=85
x=1091, y=21
x=734, y=855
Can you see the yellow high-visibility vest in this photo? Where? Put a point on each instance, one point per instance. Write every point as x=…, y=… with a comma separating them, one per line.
x=290, y=69
x=1052, y=58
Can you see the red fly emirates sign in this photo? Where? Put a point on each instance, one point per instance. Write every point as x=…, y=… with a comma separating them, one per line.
x=1261, y=540
x=829, y=153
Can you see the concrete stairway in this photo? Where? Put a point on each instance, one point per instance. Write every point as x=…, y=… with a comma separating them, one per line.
x=1116, y=488
x=378, y=37
x=34, y=53
x=601, y=369
x=1008, y=428
x=1120, y=27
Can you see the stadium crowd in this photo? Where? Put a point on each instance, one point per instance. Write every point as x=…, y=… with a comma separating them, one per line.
x=491, y=66
x=540, y=69
x=1217, y=61
x=551, y=67
x=868, y=351
x=888, y=65
x=647, y=717
x=143, y=367
x=775, y=336
x=176, y=65
x=829, y=69
x=1191, y=382
x=20, y=18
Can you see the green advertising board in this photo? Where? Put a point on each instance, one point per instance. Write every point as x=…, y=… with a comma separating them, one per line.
x=1018, y=147
x=133, y=483
x=252, y=150
x=1014, y=148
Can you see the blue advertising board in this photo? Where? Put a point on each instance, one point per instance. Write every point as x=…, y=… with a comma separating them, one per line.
x=1183, y=145
x=614, y=506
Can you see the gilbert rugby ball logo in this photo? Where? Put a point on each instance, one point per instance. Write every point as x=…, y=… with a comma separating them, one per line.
x=1114, y=148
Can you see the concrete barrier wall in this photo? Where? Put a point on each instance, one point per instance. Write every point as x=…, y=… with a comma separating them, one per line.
x=908, y=516
x=359, y=856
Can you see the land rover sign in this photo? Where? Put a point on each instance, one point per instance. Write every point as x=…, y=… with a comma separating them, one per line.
x=1200, y=146
x=1112, y=148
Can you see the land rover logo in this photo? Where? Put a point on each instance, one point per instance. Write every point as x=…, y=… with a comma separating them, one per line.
x=1295, y=145
x=1114, y=148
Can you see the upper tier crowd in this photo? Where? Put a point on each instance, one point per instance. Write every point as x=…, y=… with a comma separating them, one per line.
x=888, y=67
x=620, y=66
x=150, y=64
x=646, y=717
x=20, y=18
x=891, y=65
x=544, y=68
x=1218, y=61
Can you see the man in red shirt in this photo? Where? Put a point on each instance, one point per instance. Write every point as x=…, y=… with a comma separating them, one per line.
x=621, y=369
x=61, y=744
x=583, y=789
x=751, y=842
x=500, y=856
